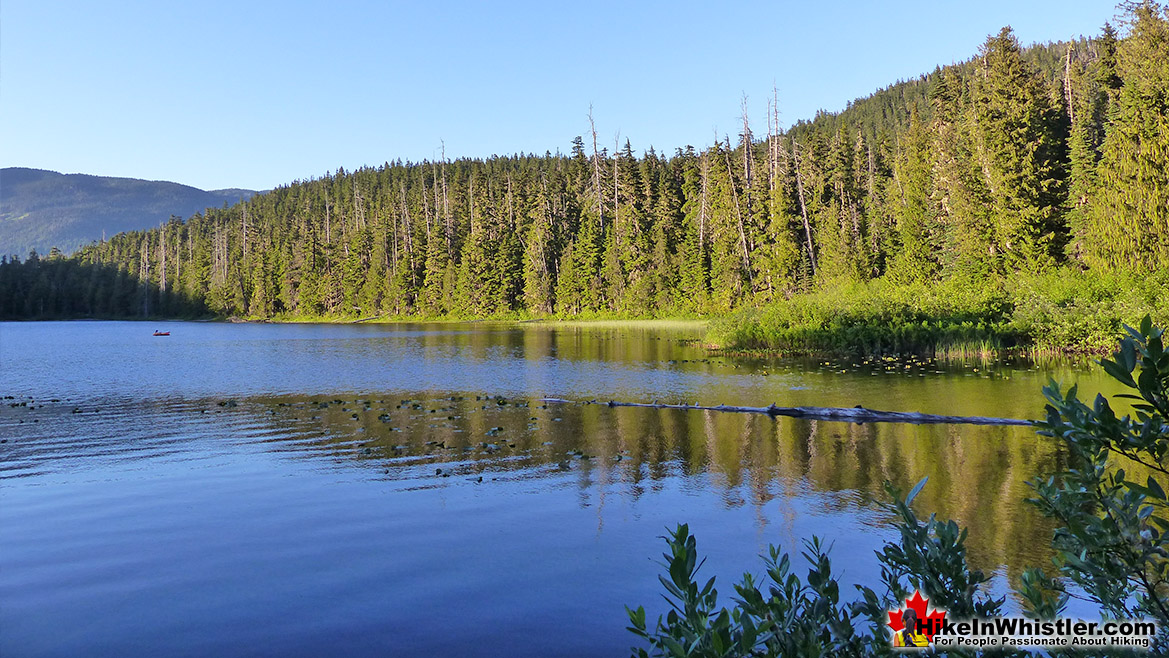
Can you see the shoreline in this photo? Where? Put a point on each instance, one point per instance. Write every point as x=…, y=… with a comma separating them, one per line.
x=977, y=350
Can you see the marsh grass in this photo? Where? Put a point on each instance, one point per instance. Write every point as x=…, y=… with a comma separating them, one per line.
x=1057, y=313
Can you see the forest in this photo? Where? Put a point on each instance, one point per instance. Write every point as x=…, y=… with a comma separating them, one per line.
x=1014, y=172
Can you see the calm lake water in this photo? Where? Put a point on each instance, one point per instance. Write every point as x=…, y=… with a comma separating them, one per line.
x=375, y=490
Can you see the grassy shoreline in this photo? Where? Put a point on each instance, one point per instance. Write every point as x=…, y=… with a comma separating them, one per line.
x=592, y=320
x=1061, y=312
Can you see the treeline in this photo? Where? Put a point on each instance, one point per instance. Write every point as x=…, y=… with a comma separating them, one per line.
x=59, y=287
x=1016, y=161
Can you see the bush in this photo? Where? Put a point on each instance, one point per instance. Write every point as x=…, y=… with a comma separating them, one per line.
x=807, y=617
x=1114, y=542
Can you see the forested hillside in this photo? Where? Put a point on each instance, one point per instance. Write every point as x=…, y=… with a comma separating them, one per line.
x=1017, y=162
x=42, y=209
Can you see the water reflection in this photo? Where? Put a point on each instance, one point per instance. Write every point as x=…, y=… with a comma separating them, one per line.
x=121, y=361
x=977, y=473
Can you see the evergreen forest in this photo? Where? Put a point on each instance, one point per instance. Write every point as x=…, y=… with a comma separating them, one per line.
x=997, y=180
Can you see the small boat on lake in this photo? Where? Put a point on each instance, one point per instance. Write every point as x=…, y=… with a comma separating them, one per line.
x=161, y=333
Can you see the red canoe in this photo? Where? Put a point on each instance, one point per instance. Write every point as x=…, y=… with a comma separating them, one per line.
x=162, y=333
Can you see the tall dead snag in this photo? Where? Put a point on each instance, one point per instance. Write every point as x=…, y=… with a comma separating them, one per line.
x=448, y=221
x=438, y=219
x=358, y=207
x=704, y=205
x=244, y=233
x=748, y=180
x=328, y=230
x=179, y=257
x=471, y=208
x=162, y=259
x=597, y=171
x=510, y=206
x=407, y=234
x=772, y=140
x=739, y=215
x=616, y=209
x=426, y=209
x=803, y=206
x=144, y=275
x=392, y=264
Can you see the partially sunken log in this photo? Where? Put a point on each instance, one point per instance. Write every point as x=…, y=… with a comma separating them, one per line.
x=856, y=414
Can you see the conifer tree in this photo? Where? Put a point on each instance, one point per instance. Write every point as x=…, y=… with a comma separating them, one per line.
x=1127, y=223
x=1019, y=136
x=693, y=257
x=539, y=259
x=959, y=184
x=728, y=279
x=916, y=248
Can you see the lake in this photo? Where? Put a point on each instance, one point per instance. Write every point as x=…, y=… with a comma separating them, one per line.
x=402, y=489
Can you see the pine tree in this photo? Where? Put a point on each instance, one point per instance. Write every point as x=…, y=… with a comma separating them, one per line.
x=1019, y=137
x=693, y=257
x=1127, y=222
x=431, y=298
x=917, y=246
x=539, y=258
x=959, y=184
x=728, y=276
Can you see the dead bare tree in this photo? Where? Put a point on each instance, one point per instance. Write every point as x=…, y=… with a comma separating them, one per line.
x=244, y=233
x=803, y=205
x=773, y=139
x=597, y=171
x=704, y=172
x=162, y=259
x=328, y=229
x=144, y=276
x=616, y=207
x=448, y=221
x=407, y=233
x=739, y=215
x=510, y=207
x=747, y=141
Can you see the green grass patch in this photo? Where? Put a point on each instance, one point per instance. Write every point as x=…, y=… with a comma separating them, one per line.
x=1064, y=311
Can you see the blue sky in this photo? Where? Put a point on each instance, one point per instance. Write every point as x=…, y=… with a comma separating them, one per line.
x=256, y=94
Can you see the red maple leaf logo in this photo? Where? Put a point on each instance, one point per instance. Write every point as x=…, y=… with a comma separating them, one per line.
x=929, y=624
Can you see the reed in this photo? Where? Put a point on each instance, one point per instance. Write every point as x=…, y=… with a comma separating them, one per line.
x=1059, y=312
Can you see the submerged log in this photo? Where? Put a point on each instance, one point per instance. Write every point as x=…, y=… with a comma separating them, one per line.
x=857, y=414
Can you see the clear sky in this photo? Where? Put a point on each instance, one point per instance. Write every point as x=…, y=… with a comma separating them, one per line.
x=255, y=94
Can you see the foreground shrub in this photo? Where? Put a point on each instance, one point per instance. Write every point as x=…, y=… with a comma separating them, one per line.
x=1114, y=543
x=794, y=616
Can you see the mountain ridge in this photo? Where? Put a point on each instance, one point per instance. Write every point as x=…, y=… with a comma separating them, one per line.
x=41, y=209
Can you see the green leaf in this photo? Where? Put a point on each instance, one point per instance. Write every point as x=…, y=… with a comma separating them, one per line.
x=916, y=490
x=1118, y=372
x=1155, y=489
x=1128, y=355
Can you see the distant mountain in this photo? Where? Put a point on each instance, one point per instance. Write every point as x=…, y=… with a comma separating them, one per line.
x=44, y=209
